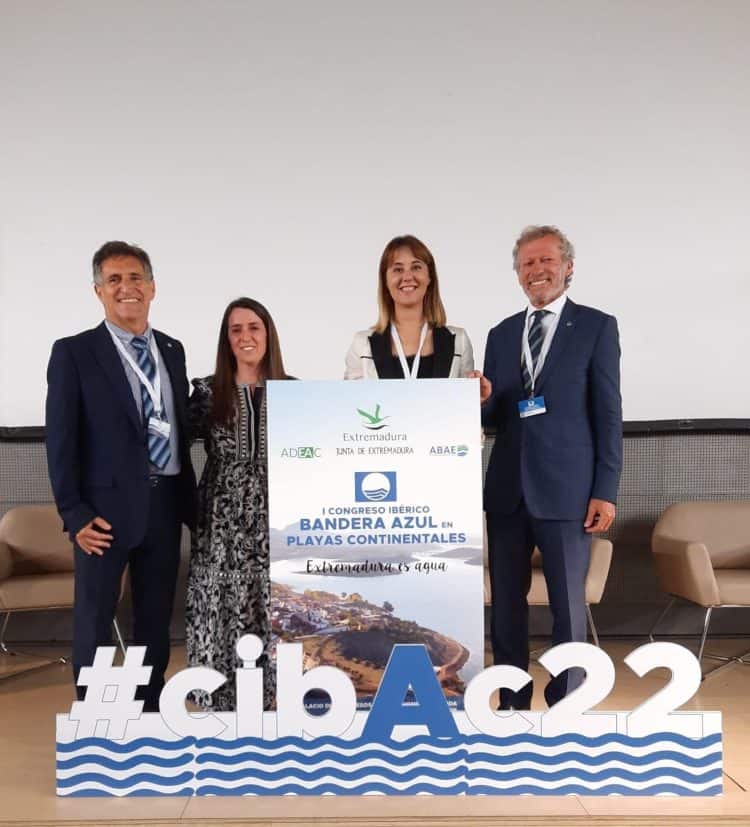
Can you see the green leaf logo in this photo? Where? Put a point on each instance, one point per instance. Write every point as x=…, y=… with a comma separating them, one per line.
x=373, y=421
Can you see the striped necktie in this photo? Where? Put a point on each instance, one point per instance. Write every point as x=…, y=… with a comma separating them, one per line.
x=536, y=340
x=158, y=446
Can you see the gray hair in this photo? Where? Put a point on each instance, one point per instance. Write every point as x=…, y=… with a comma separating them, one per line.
x=536, y=231
x=120, y=248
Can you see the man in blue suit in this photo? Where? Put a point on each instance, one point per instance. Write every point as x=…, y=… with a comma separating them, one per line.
x=119, y=462
x=555, y=466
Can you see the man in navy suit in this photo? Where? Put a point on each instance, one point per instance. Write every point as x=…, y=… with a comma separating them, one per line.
x=119, y=462
x=555, y=466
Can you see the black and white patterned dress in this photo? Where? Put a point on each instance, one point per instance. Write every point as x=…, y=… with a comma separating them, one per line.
x=228, y=584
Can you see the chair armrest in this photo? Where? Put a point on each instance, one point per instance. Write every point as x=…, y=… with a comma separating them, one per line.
x=6, y=561
x=596, y=579
x=684, y=569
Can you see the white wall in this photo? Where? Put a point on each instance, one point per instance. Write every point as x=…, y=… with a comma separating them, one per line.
x=271, y=149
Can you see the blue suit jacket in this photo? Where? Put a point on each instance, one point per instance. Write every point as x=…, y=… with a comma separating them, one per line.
x=559, y=460
x=97, y=451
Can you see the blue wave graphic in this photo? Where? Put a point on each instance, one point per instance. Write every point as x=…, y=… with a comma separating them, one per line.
x=121, y=783
x=466, y=740
x=459, y=754
x=128, y=764
x=130, y=746
x=336, y=743
x=376, y=493
x=602, y=775
x=612, y=789
x=595, y=760
x=341, y=775
x=419, y=765
x=216, y=743
x=673, y=773
x=331, y=755
x=598, y=741
x=322, y=789
x=96, y=793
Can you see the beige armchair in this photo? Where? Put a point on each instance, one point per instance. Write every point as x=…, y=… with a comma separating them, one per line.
x=596, y=579
x=36, y=567
x=702, y=555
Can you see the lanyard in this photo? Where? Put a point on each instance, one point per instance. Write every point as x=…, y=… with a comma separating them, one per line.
x=533, y=371
x=154, y=391
x=409, y=374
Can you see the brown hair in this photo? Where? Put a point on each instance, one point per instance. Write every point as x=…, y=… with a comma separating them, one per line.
x=432, y=306
x=272, y=366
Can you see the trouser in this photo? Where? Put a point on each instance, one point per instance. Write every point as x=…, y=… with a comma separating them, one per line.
x=153, y=566
x=566, y=550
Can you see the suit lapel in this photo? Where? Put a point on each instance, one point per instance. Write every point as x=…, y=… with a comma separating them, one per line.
x=515, y=331
x=106, y=354
x=564, y=333
x=380, y=345
x=444, y=348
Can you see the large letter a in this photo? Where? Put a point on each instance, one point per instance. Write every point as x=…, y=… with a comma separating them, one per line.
x=409, y=667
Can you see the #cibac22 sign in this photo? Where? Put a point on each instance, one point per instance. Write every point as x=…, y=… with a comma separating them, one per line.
x=377, y=602
x=105, y=746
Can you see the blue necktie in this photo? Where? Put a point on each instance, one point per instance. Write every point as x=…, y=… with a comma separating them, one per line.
x=158, y=446
x=536, y=340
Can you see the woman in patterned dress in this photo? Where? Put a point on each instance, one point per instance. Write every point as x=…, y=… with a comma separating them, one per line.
x=228, y=585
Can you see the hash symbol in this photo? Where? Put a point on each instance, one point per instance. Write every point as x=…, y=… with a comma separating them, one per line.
x=110, y=696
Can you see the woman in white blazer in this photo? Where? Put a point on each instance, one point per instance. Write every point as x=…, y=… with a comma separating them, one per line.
x=411, y=339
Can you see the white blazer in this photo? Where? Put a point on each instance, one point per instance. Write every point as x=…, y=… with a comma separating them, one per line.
x=361, y=365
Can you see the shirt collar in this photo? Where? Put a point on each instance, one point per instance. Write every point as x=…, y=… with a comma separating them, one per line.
x=555, y=306
x=125, y=336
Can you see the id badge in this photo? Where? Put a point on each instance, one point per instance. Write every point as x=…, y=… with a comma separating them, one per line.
x=159, y=427
x=531, y=407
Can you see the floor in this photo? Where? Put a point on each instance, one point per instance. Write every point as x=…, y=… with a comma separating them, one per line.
x=28, y=703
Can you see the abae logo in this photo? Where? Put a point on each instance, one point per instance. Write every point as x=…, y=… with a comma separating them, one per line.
x=449, y=450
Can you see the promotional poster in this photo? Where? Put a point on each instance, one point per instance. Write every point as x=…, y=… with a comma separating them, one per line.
x=376, y=525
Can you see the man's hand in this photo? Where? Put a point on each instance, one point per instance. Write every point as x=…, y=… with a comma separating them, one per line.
x=93, y=537
x=599, y=517
x=485, y=386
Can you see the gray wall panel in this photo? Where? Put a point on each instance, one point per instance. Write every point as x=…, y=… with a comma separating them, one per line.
x=659, y=469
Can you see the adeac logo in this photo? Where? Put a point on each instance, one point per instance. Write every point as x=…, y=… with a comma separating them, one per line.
x=301, y=452
x=375, y=486
x=373, y=421
x=449, y=450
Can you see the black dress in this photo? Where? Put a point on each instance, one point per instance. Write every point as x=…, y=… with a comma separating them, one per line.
x=229, y=584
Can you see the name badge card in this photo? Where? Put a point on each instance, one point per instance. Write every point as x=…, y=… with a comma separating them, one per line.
x=159, y=427
x=531, y=407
